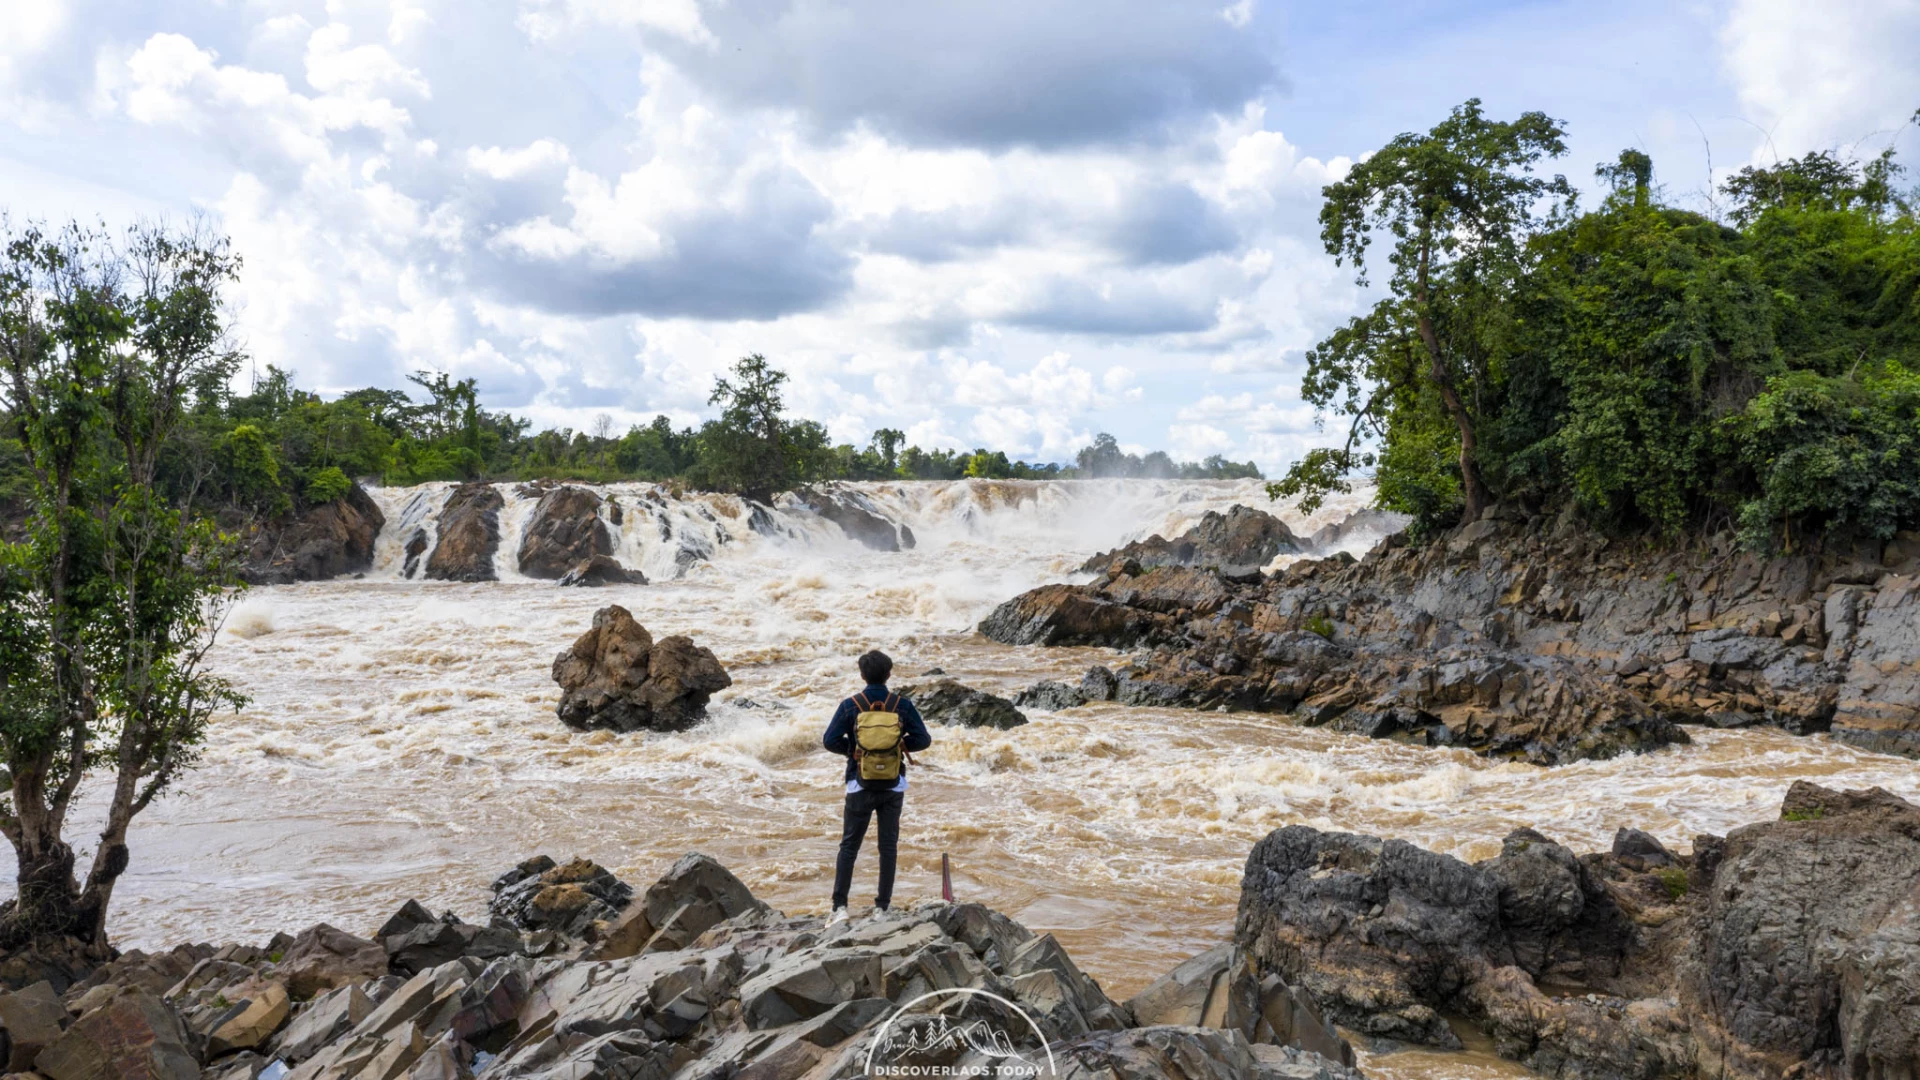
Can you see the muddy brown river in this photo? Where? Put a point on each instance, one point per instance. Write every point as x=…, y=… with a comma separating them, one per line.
x=401, y=742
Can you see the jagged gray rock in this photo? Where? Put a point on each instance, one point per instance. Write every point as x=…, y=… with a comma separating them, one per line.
x=469, y=535
x=1051, y=696
x=1239, y=542
x=1787, y=949
x=948, y=702
x=738, y=990
x=1518, y=637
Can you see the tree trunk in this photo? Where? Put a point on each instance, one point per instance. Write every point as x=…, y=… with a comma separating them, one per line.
x=49, y=904
x=1472, y=489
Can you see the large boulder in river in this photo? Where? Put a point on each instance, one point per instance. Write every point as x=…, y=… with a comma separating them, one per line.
x=949, y=702
x=617, y=677
x=469, y=535
x=324, y=542
x=601, y=570
x=856, y=516
x=1239, y=542
x=564, y=531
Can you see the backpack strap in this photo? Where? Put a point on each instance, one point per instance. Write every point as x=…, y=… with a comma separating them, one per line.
x=892, y=704
x=860, y=699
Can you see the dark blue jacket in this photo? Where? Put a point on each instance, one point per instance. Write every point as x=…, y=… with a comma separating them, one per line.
x=839, y=737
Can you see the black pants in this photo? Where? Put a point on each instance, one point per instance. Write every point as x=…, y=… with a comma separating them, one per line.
x=862, y=805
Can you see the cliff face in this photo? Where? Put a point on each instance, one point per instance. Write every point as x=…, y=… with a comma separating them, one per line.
x=1711, y=636
x=1519, y=636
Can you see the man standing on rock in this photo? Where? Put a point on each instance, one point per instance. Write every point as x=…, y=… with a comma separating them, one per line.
x=875, y=730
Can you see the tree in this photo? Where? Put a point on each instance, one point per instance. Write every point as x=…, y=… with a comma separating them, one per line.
x=752, y=449
x=1458, y=204
x=1818, y=181
x=109, y=606
x=886, y=443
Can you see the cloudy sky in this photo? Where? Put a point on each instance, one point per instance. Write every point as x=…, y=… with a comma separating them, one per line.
x=986, y=222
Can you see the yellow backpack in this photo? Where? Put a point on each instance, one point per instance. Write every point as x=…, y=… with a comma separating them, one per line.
x=877, y=741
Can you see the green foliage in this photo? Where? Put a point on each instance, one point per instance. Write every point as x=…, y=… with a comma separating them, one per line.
x=328, y=485
x=1813, y=813
x=1321, y=625
x=1458, y=205
x=1658, y=368
x=1830, y=453
x=1105, y=458
x=111, y=601
x=1675, y=880
x=752, y=448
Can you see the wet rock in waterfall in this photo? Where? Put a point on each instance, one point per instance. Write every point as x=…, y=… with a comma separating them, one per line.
x=615, y=676
x=1361, y=523
x=1051, y=696
x=693, y=550
x=416, y=547
x=323, y=542
x=601, y=570
x=1239, y=542
x=131, y=1032
x=949, y=702
x=469, y=535
x=566, y=898
x=858, y=519
x=564, y=531
x=760, y=519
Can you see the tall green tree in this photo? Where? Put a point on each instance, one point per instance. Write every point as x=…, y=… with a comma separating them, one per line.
x=752, y=448
x=109, y=606
x=1457, y=205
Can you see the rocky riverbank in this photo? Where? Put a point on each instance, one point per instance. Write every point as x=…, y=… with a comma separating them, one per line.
x=576, y=975
x=1788, y=948
x=1517, y=636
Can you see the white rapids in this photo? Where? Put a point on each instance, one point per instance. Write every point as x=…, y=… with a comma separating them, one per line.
x=401, y=740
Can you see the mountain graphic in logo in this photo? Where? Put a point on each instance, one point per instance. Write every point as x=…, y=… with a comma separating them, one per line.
x=909, y=1045
x=940, y=1034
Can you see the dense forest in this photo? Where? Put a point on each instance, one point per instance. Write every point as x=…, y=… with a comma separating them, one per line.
x=1753, y=364
x=278, y=447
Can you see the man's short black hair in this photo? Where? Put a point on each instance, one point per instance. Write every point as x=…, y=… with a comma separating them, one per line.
x=876, y=667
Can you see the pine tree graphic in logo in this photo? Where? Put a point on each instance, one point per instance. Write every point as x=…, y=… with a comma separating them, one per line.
x=960, y=1032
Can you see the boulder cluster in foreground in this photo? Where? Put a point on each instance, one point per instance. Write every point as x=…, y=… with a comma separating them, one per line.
x=1516, y=636
x=1788, y=948
x=578, y=976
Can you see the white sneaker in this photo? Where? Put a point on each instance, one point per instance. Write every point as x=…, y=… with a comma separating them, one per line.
x=839, y=916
